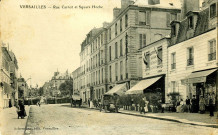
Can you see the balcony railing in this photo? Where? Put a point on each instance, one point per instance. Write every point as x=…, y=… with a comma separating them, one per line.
x=173, y=66
x=212, y=56
x=190, y=62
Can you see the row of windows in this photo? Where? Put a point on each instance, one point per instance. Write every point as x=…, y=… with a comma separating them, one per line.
x=98, y=93
x=98, y=42
x=190, y=54
x=120, y=28
x=96, y=77
x=119, y=72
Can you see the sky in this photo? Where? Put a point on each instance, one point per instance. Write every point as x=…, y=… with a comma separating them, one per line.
x=47, y=40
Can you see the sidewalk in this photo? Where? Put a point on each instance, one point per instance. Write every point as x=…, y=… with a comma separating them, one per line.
x=186, y=118
x=10, y=124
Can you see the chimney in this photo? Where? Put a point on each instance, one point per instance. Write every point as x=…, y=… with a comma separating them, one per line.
x=126, y=3
x=105, y=24
x=153, y=2
x=116, y=12
x=189, y=5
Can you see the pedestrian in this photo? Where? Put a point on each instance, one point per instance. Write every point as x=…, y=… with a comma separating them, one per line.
x=179, y=106
x=22, y=112
x=142, y=106
x=194, y=106
x=188, y=103
x=211, y=107
x=146, y=105
x=10, y=105
x=89, y=102
x=202, y=105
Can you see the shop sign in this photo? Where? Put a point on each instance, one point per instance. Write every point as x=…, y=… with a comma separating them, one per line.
x=197, y=79
x=193, y=80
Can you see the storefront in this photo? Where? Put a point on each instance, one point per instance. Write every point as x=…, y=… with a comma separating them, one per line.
x=7, y=94
x=202, y=83
x=152, y=86
x=118, y=89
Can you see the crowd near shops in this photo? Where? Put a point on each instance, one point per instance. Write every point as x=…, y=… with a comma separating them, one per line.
x=155, y=57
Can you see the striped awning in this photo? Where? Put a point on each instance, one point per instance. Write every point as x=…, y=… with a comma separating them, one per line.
x=142, y=85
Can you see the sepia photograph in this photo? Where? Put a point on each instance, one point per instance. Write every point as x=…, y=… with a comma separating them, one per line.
x=108, y=67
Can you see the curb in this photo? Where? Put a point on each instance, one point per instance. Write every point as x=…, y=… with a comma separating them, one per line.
x=172, y=120
x=165, y=119
x=27, y=120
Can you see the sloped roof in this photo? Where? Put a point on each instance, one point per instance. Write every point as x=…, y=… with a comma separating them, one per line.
x=202, y=26
x=202, y=23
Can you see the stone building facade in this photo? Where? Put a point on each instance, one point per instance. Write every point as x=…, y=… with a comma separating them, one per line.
x=192, y=55
x=133, y=28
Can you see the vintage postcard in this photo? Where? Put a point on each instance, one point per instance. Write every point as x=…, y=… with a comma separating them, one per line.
x=108, y=67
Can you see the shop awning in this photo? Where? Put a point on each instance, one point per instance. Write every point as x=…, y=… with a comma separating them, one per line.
x=119, y=89
x=198, y=77
x=143, y=84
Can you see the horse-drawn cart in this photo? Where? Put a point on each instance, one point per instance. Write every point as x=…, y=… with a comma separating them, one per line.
x=76, y=100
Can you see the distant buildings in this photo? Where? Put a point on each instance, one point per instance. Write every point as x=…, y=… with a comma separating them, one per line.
x=23, y=89
x=51, y=88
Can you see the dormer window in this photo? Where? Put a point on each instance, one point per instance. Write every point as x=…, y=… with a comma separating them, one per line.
x=213, y=10
x=173, y=30
x=190, y=22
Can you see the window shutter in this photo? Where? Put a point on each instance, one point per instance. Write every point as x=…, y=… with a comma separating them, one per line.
x=148, y=17
x=136, y=17
x=178, y=17
x=144, y=40
x=168, y=19
x=140, y=40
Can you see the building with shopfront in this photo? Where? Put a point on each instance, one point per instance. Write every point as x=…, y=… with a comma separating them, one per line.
x=192, y=54
x=154, y=70
x=136, y=26
x=14, y=77
x=5, y=80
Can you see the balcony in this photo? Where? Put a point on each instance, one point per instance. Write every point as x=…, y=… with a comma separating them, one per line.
x=212, y=56
x=190, y=62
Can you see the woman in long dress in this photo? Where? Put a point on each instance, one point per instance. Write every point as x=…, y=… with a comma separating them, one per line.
x=146, y=105
x=91, y=104
x=202, y=105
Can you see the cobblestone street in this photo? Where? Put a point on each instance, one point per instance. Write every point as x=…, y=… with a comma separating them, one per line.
x=62, y=119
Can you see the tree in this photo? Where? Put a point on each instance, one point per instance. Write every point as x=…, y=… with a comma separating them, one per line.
x=40, y=91
x=66, y=88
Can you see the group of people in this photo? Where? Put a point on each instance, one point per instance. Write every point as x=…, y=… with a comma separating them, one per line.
x=143, y=105
x=20, y=109
x=194, y=105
